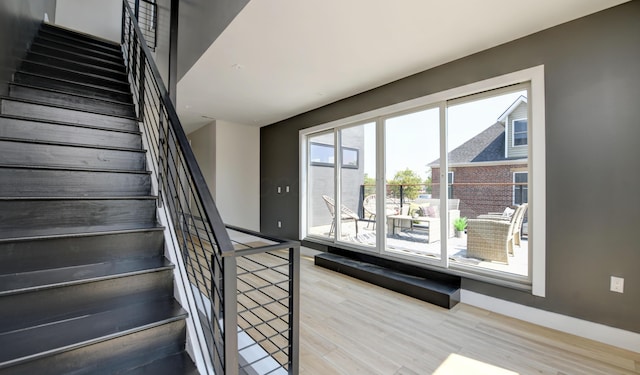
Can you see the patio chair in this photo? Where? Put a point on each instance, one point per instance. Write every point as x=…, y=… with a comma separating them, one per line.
x=345, y=214
x=493, y=238
x=369, y=206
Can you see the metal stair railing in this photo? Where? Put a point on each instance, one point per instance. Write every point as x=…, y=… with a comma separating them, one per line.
x=243, y=286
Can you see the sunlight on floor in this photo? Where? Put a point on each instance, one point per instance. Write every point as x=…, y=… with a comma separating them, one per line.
x=456, y=364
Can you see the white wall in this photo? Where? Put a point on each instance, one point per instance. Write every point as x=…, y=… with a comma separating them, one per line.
x=203, y=143
x=229, y=157
x=238, y=174
x=101, y=18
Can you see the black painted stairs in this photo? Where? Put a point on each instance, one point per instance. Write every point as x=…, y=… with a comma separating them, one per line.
x=84, y=284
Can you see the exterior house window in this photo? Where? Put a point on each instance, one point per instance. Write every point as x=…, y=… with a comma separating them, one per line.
x=321, y=155
x=520, y=132
x=450, y=184
x=520, y=188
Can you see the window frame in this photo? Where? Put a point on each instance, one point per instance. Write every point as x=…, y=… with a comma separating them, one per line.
x=332, y=148
x=536, y=157
x=513, y=132
x=526, y=188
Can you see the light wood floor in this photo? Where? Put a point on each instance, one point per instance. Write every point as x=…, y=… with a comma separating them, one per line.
x=351, y=327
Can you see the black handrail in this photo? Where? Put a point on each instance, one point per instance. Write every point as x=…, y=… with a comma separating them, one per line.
x=259, y=303
x=213, y=217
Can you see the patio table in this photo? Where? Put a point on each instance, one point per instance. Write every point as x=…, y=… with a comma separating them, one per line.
x=395, y=223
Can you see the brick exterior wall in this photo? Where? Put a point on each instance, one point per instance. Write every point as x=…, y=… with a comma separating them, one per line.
x=480, y=189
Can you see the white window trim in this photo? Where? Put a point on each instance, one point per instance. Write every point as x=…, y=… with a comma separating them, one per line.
x=513, y=132
x=536, y=154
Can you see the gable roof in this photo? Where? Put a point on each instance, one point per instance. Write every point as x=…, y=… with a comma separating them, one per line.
x=486, y=146
x=489, y=145
x=512, y=107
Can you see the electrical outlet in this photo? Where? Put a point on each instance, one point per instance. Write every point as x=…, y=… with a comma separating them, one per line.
x=617, y=284
x=279, y=224
x=279, y=190
x=286, y=189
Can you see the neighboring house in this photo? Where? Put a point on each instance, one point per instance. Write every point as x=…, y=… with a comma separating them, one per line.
x=322, y=163
x=489, y=171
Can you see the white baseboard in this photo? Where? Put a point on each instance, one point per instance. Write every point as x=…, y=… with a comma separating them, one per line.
x=583, y=328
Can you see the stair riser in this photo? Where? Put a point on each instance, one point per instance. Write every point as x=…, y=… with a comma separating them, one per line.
x=70, y=75
x=61, y=183
x=62, y=215
x=19, y=153
x=79, y=50
x=43, y=49
x=43, y=131
x=78, y=42
x=40, y=254
x=80, y=102
x=71, y=87
x=74, y=65
x=108, y=357
x=54, y=304
x=44, y=112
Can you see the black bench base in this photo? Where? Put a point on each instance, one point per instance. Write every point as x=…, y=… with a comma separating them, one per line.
x=438, y=289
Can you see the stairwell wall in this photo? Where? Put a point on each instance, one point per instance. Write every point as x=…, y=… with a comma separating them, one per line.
x=19, y=22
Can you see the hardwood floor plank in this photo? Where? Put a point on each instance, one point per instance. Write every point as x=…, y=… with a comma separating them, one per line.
x=351, y=327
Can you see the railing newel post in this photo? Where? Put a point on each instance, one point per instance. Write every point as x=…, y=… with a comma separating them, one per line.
x=230, y=312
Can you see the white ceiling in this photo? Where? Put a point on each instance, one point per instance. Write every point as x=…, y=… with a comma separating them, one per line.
x=280, y=58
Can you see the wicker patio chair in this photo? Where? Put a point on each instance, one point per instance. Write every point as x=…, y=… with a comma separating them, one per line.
x=494, y=239
x=345, y=214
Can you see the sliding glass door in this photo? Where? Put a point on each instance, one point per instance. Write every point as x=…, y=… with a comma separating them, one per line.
x=358, y=185
x=413, y=215
x=446, y=183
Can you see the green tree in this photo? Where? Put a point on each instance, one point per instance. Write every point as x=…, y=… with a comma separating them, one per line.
x=409, y=180
x=427, y=184
x=369, y=185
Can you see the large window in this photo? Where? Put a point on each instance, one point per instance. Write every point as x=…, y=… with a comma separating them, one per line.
x=394, y=191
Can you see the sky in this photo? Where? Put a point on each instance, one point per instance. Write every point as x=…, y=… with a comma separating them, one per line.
x=412, y=141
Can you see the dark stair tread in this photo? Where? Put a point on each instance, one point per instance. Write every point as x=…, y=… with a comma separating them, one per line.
x=65, y=73
x=86, y=87
x=78, y=145
x=176, y=364
x=60, y=336
x=43, y=48
x=72, y=38
x=58, y=277
x=105, y=101
x=439, y=292
x=54, y=122
x=69, y=215
x=77, y=33
x=72, y=169
x=81, y=234
x=115, y=70
x=67, y=107
x=69, y=46
x=46, y=232
x=64, y=68
x=39, y=253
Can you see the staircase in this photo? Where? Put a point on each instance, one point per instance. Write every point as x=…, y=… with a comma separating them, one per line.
x=84, y=284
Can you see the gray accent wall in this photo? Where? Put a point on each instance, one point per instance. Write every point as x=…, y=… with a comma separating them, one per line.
x=19, y=22
x=592, y=99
